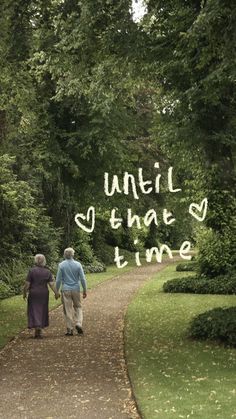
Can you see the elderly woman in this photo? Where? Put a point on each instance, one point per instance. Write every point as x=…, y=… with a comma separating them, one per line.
x=36, y=285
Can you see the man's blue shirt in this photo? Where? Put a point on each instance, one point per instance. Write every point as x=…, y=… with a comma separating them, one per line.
x=70, y=274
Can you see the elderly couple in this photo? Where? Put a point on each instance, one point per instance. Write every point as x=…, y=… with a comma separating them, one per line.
x=69, y=276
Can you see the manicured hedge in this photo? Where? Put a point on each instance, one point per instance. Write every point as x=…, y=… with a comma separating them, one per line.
x=202, y=285
x=186, y=267
x=217, y=324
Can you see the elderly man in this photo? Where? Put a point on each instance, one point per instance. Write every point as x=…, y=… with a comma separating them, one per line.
x=69, y=276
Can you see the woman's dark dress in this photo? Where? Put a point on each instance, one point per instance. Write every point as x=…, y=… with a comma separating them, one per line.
x=38, y=278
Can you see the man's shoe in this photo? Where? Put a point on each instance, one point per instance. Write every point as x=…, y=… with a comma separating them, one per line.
x=69, y=332
x=79, y=330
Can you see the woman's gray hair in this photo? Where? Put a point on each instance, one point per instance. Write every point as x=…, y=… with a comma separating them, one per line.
x=40, y=260
x=69, y=253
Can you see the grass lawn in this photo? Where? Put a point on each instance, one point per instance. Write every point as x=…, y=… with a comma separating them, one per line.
x=13, y=310
x=172, y=376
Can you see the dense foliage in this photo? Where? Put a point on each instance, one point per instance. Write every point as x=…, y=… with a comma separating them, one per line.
x=5, y=291
x=192, y=52
x=62, y=123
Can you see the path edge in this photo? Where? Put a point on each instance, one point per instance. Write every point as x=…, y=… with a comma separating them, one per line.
x=125, y=341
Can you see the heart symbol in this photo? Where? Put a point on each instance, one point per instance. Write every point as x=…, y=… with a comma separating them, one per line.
x=90, y=217
x=202, y=208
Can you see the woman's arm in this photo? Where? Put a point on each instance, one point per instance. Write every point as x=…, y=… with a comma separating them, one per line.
x=53, y=287
x=26, y=289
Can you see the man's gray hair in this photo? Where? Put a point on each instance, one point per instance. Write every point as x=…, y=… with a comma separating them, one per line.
x=69, y=253
x=40, y=260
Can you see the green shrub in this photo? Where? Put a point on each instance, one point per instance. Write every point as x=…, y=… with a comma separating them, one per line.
x=129, y=256
x=186, y=285
x=25, y=229
x=106, y=254
x=5, y=291
x=216, y=252
x=85, y=253
x=94, y=267
x=81, y=243
x=202, y=285
x=186, y=267
x=47, y=238
x=217, y=324
x=17, y=283
x=13, y=275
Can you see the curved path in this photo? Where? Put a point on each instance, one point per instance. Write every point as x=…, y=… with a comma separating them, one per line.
x=85, y=377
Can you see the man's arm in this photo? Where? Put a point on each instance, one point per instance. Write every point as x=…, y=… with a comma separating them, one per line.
x=83, y=281
x=58, y=278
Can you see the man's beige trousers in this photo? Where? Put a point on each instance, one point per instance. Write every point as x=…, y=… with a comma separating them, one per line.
x=72, y=308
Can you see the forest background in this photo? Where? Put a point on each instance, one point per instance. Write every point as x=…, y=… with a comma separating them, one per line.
x=86, y=89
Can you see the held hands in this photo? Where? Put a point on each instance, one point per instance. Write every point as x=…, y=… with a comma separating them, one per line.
x=57, y=295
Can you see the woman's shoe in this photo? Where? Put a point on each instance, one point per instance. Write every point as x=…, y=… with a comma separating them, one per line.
x=38, y=333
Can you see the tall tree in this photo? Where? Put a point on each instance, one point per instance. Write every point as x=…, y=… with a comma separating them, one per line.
x=191, y=57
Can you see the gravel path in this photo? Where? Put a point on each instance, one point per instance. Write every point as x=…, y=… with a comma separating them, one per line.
x=85, y=377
